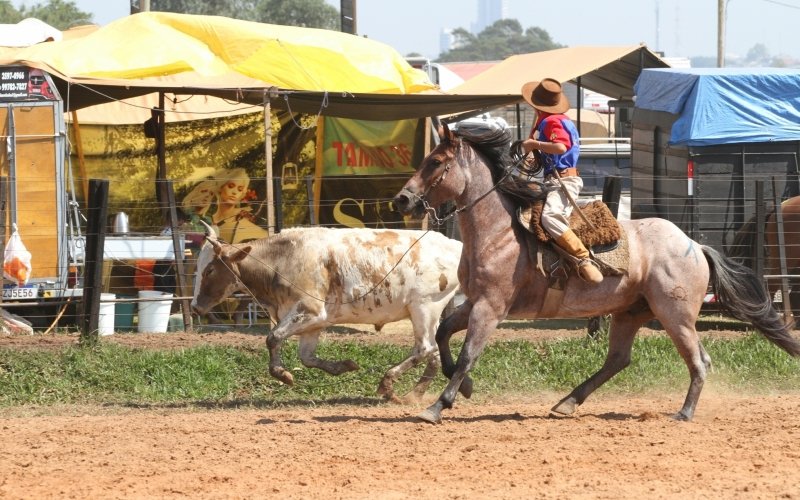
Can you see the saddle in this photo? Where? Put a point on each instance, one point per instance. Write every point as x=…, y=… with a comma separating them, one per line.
x=606, y=229
x=606, y=241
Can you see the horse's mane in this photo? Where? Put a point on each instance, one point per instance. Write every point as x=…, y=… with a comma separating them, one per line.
x=494, y=146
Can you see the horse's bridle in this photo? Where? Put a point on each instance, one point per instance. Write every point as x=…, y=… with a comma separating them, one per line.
x=453, y=211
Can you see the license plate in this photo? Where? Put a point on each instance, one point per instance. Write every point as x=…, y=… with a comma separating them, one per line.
x=20, y=293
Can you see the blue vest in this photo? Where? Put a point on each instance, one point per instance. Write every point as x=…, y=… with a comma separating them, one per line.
x=570, y=157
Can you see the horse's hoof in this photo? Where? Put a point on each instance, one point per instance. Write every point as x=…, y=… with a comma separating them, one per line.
x=466, y=387
x=566, y=406
x=680, y=417
x=349, y=365
x=432, y=416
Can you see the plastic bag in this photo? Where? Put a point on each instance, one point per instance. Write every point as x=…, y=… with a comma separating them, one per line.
x=17, y=259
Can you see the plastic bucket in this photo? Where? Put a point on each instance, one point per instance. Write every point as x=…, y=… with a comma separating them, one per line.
x=123, y=318
x=105, y=325
x=154, y=314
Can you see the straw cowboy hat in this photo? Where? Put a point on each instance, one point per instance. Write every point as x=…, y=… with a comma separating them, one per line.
x=545, y=96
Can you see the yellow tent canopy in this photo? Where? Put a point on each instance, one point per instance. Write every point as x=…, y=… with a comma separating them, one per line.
x=298, y=69
x=156, y=44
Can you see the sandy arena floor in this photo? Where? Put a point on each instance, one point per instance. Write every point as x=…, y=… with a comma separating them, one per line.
x=738, y=446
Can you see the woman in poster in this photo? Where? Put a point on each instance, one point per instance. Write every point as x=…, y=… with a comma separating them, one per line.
x=234, y=221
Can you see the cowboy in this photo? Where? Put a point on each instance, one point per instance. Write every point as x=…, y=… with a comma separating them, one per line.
x=554, y=135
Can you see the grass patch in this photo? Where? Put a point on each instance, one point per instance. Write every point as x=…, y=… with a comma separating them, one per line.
x=111, y=373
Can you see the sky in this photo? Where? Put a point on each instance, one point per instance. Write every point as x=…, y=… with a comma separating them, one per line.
x=679, y=28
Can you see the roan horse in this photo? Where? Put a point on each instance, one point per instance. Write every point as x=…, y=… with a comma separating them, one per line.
x=666, y=279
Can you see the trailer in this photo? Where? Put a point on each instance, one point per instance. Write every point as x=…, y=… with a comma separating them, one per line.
x=32, y=155
x=701, y=140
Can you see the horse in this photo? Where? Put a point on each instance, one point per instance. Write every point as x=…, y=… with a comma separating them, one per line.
x=745, y=242
x=666, y=279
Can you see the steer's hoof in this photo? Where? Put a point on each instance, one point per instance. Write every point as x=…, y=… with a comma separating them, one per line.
x=349, y=365
x=284, y=376
x=566, y=406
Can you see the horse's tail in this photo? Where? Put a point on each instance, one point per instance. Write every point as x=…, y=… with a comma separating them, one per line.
x=740, y=292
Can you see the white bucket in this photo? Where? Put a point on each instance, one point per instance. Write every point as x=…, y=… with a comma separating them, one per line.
x=105, y=325
x=154, y=316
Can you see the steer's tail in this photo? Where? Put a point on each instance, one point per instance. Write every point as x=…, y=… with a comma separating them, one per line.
x=739, y=290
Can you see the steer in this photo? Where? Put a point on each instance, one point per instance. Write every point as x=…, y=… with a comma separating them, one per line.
x=311, y=278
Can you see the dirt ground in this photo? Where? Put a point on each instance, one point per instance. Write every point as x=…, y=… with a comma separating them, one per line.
x=738, y=446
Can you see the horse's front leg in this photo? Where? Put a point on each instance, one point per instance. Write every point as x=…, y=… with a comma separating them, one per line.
x=457, y=321
x=482, y=322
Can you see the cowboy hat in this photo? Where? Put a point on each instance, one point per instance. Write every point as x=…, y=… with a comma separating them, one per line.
x=545, y=96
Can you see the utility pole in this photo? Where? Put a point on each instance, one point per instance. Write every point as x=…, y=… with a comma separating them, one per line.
x=347, y=11
x=721, y=33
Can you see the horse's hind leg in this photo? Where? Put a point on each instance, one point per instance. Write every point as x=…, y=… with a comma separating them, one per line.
x=697, y=360
x=620, y=341
x=456, y=322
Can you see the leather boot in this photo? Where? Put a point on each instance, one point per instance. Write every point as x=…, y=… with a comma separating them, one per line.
x=587, y=270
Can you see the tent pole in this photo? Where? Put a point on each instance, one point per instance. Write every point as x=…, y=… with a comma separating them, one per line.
x=161, y=153
x=81, y=160
x=268, y=161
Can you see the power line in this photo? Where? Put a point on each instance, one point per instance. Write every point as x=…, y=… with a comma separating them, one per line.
x=783, y=4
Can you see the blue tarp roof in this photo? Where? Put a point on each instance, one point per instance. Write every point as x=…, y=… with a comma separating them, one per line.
x=724, y=105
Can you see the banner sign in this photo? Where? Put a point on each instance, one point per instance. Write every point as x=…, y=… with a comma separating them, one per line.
x=19, y=83
x=362, y=166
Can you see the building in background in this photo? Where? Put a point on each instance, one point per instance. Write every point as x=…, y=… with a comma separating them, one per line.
x=489, y=12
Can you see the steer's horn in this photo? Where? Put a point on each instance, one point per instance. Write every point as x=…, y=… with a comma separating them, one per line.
x=211, y=235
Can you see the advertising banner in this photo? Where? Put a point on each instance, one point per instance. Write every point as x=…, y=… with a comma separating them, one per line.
x=362, y=165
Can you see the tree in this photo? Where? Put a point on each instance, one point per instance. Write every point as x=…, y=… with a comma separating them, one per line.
x=59, y=14
x=236, y=9
x=498, y=41
x=303, y=13
x=8, y=14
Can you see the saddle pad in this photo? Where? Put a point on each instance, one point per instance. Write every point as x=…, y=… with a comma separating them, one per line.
x=611, y=263
x=607, y=229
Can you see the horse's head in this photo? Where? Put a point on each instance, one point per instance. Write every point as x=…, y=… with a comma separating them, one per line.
x=436, y=179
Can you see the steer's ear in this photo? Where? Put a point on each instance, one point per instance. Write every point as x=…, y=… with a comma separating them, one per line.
x=240, y=253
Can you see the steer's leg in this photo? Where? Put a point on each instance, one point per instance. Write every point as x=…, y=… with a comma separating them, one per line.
x=424, y=320
x=308, y=349
x=296, y=322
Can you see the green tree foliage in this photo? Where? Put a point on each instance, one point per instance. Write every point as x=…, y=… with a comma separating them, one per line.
x=502, y=39
x=59, y=14
x=236, y=9
x=8, y=14
x=305, y=13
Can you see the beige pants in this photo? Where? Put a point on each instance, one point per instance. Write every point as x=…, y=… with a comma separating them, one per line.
x=557, y=208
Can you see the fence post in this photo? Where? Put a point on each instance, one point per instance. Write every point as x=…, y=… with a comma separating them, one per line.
x=787, y=308
x=180, y=276
x=93, y=259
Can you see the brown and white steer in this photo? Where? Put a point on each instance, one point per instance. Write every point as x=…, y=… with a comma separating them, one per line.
x=312, y=278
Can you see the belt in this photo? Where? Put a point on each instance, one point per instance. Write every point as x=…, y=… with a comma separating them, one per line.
x=567, y=172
